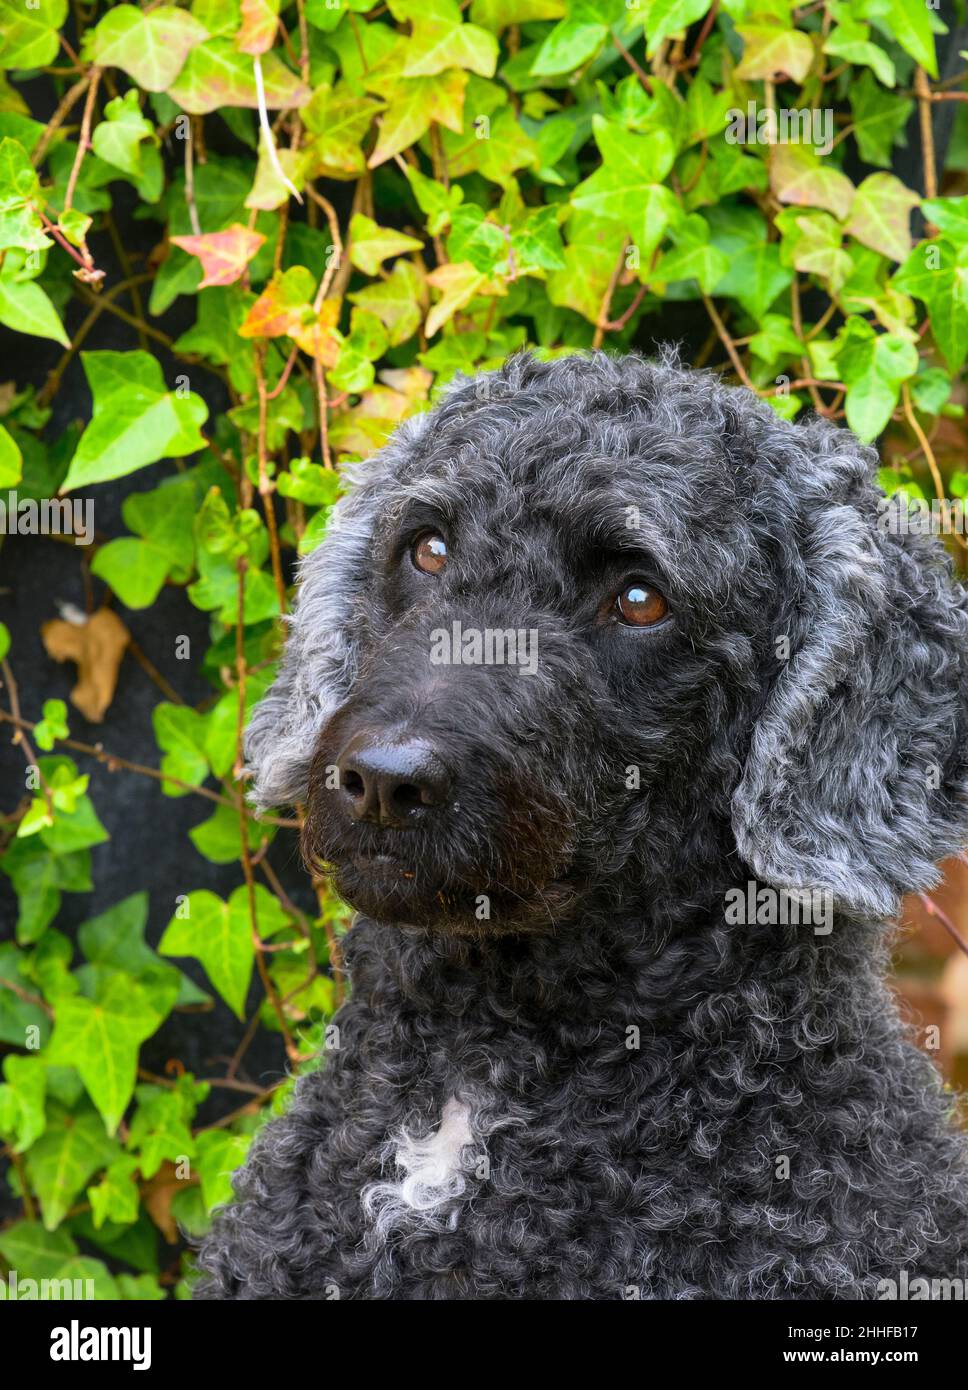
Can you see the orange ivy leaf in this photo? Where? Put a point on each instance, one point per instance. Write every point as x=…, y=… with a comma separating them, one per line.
x=314, y=336
x=224, y=255
x=260, y=19
x=282, y=307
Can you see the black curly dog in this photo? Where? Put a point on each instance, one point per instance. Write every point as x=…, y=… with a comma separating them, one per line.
x=624, y=713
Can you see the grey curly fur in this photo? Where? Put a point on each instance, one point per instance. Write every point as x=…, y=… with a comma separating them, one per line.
x=612, y=1167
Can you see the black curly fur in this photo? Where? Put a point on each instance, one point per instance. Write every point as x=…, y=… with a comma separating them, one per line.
x=670, y=1105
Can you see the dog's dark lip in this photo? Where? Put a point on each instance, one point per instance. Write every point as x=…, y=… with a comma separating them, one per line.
x=380, y=862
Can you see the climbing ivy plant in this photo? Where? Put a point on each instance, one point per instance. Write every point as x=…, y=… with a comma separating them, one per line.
x=346, y=204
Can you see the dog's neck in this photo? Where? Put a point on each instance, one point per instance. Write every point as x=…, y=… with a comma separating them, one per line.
x=650, y=962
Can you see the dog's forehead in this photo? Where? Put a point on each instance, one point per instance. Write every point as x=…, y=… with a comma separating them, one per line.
x=516, y=470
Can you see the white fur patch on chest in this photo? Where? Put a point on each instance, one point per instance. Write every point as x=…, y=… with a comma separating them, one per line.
x=433, y=1176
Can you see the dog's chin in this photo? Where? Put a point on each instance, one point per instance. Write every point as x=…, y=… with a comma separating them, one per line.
x=382, y=887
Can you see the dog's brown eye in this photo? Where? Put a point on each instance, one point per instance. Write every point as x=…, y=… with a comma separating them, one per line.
x=429, y=552
x=641, y=606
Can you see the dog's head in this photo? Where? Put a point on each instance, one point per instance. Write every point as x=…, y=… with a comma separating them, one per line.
x=595, y=621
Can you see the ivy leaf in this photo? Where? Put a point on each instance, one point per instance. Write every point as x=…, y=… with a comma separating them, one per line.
x=937, y=273
x=150, y=46
x=71, y=1150
x=458, y=284
x=26, y=308
x=53, y=725
x=115, y=939
x=773, y=51
x=812, y=244
x=20, y=200
x=11, y=472
x=28, y=33
x=219, y=934
x=398, y=302
x=756, y=274
x=22, y=1117
x=101, y=1038
x=593, y=246
x=35, y=1252
x=873, y=366
x=180, y=734
x=880, y=215
x=135, y=420
x=136, y=569
x=260, y=20
x=115, y=1197
x=499, y=14
x=950, y=216
x=664, y=19
x=224, y=255
x=338, y=120
x=908, y=22
x=797, y=175
x=440, y=40
x=693, y=257
x=38, y=875
x=434, y=200
x=282, y=307
x=879, y=119
x=628, y=187
x=412, y=103
x=126, y=140
x=160, y=1127
x=850, y=41
x=570, y=44
x=217, y=838
x=309, y=482
x=476, y=239
x=371, y=245
x=217, y=74
x=930, y=390
x=219, y=1154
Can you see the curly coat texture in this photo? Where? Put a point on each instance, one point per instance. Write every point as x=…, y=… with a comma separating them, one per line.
x=612, y=1089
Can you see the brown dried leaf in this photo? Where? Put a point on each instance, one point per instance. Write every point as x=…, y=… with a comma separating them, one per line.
x=97, y=646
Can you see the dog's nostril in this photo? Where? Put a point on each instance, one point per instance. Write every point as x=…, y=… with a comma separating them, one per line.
x=406, y=796
x=353, y=783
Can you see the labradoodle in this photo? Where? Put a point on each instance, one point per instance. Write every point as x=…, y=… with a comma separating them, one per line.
x=624, y=712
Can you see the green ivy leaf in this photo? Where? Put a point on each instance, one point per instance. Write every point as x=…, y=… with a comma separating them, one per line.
x=34, y=1251
x=150, y=46
x=937, y=273
x=879, y=119
x=371, y=245
x=180, y=733
x=72, y=1149
x=950, y=216
x=135, y=420
x=28, y=34
x=21, y=200
x=115, y=1197
x=873, y=366
x=850, y=40
x=216, y=74
x=440, y=40
x=26, y=308
x=628, y=187
x=101, y=1038
x=11, y=472
x=219, y=934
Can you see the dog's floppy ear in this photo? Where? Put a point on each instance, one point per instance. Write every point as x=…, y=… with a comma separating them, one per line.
x=856, y=776
x=320, y=657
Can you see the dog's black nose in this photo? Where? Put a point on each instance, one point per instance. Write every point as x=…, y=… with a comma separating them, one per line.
x=390, y=784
